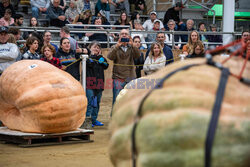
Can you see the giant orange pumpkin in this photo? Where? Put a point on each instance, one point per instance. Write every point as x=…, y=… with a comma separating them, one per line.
x=35, y=96
x=172, y=127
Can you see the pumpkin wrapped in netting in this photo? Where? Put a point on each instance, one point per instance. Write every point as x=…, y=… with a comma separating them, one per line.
x=171, y=130
x=35, y=96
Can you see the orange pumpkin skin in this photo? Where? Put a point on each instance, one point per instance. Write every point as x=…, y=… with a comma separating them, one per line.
x=35, y=96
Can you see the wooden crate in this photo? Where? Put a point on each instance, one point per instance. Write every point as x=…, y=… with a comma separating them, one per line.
x=23, y=139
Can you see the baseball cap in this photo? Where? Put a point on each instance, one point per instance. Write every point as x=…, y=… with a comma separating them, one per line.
x=157, y=20
x=4, y=29
x=153, y=12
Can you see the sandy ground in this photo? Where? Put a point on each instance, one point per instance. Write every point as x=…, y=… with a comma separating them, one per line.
x=93, y=154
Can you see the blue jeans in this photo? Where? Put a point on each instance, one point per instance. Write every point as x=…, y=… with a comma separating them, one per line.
x=118, y=85
x=36, y=12
x=93, y=110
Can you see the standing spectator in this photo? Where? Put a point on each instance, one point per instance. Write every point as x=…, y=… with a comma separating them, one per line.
x=8, y=51
x=49, y=53
x=194, y=37
x=123, y=53
x=245, y=36
x=71, y=12
x=189, y=26
x=56, y=15
x=103, y=5
x=68, y=56
x=18, y=20
x=32, y=45
x=155, y=60
x=140, y=60
x=214, y=38
x=160, y=38
x=142, y=35
x=202, y=28
x=149, y=24
x=47, y=38
x=198, y=51
x=173, y=13
x=169, y=37
x=39, y=6
x=5, y=4
x=96, y=64
x=7, y=20
x=17, y=34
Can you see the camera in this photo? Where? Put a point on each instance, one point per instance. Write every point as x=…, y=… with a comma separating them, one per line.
x=124, y=39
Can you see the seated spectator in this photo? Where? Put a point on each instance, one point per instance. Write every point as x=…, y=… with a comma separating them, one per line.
x=189, y=26
x=140, y=60
x=49, y=53
x=122, y=21
x=33, y=22
x=32, y=45
x=18, y=20
x=149, y=24
x=83, y=18
x=169, y=37
x=38, y=35
x=71, y=12
x=134, y=16
x=156, y=28
x=214, y=38
x=56, y=15
x=140, y=6
x=96, y=64
x=6, y=20
x=121, y=5
x=47, y=38
x=198, y=51
x=39, y=6
x=103, y=17
x=17, y=34
x=142, y=36
x=202, y=28
x=100, y=37
x=5, y=4
x=194, y=37
x=67, y=56
x=103, y=5
x=160, y=38
x=173, y=14
x=155, y=60
x=11, y=39
x=83, y=5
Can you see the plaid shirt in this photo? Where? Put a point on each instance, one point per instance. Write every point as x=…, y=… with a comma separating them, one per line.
x=55, y=61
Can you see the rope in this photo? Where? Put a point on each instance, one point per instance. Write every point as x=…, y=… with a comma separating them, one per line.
x=127, y=65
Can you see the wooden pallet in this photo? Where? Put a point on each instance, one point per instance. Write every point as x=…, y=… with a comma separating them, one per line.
x=37, y=139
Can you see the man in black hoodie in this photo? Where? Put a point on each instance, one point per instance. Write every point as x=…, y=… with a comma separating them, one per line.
x=173, y=13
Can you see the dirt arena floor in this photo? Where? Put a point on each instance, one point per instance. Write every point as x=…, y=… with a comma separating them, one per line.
x=93, y=154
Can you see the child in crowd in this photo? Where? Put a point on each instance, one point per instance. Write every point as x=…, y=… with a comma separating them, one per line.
x=32, y=45
x=96, y=64
x=49, y=52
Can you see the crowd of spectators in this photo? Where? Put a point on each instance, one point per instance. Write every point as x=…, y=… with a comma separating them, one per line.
x=127, y=50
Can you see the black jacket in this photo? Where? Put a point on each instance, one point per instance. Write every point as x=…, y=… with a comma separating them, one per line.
x=66, y=59
x=139, y=61
x=171, y=14
x=95, y=73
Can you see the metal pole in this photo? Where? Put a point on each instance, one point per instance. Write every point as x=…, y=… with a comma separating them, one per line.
x=154, y=5
x=84, y=59
x=228, y=20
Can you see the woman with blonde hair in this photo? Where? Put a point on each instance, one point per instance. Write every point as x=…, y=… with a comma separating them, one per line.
x=155, y=60
x=193, y=38
x=83, y=18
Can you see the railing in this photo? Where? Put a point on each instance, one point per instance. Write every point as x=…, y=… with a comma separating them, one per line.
x=111, y=31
